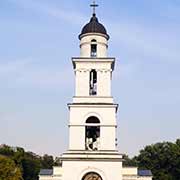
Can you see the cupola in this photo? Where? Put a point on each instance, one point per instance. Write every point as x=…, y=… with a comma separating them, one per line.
x=94, y=27
x=93, y=38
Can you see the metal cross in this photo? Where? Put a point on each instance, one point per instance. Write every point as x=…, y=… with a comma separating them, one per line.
x=94, y=5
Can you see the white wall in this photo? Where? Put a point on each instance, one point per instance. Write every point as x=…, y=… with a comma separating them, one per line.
x=130, y=171
x=82, y=68
x=104, y=82
x=77, y=169
x=78, y=116
x=82, y=82
x=85, y=45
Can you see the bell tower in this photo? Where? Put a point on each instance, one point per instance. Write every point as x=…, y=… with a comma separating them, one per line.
x=92, y=153
x=92, y=148
x=93, y=113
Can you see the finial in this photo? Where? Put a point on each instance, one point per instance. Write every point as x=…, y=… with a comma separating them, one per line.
x=94, y=5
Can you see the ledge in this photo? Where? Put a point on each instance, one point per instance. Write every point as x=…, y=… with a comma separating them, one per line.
x=96, y=105
x=94, y=60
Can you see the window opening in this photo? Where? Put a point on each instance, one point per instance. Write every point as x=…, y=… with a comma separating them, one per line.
x=93, y=48
x=93, y=120
x=92, y=134
x=93, y=40
x=93, y=83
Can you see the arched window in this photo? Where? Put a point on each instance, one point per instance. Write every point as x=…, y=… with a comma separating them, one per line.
x=93, y=48
x=93, y=120
x=93, y=41
x=92, y=135
x=92, y=176
x=93, y=82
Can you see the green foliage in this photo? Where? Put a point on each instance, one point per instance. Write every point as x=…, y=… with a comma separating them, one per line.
x=57, y=161
x=31, y=165
x=128, y=161
x=9, y=170
x=28, y=163
x=6, y=151
x=47, y=161
x=163, y=159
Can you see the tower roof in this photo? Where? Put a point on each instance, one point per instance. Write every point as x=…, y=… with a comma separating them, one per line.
x=94, y=27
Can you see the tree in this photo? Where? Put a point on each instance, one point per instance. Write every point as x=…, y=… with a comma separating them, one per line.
x=162, y=158
x=6, y=151
x=31, y=165
x=27, y=162
x=57, y=161
x=9, y=170
x=47, y=162
x=128, y=161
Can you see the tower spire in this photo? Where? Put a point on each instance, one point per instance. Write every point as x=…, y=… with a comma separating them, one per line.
x=94, y=5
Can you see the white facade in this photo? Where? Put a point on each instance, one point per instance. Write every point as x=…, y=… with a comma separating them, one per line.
x=128, y=173
x=78, y=116
x=86, y=41
x=103, y=66
x=92, y=145
x=92, y=153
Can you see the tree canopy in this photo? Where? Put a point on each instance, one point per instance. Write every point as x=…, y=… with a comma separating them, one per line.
x=28, y=164
x=163, y=159
x=9, y=170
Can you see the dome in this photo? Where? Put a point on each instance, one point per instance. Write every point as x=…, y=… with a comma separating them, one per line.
x=94, y=27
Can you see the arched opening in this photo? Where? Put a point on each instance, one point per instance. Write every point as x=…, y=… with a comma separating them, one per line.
x=93, y=41
x=92, y=136
x=93, y=48
x=92, y=120
x=92, y=176
x=93, y=83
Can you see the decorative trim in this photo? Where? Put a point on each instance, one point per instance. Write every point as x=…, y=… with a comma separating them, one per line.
x=92, y=97
x=94, y=34
x=89, y=43
x=94, y=152
x=97, y=105
x=93, y=60
x=101, y=58
x=88, y=70
x=83, y=125
x=92, y=159
x=90, y=114
x=92, y=169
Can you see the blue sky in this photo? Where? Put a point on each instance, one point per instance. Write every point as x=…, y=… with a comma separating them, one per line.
x=38, y=39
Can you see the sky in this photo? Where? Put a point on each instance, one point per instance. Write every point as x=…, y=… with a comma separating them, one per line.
x=38, y=39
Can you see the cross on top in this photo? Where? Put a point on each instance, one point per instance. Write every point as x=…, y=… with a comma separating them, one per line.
x=94, y=5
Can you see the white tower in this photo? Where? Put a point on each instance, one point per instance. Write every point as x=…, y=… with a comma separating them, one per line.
x=92, y=153
x=92, y=126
